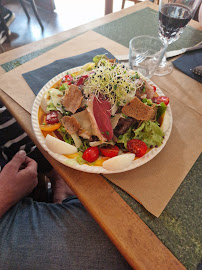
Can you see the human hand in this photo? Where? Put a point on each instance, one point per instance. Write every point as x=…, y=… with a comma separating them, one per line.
x=17, y=179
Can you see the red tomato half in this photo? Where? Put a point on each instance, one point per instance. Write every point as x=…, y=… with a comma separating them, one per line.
x=52, y=117
x=160, y=99
x=110, y=151
x=139, y=148
x=67, y=79
x=91, y=154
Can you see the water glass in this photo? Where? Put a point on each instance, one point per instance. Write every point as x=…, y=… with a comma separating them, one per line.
x=145, y=54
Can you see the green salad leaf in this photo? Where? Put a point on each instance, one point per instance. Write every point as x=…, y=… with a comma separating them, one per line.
x=126, y=137
x=79, y=158
x=51, y=107
x=81, y=161
x=66, y=137
x=161, y=109
x=147, y=101
x=97, y=58
x=64, y=86
x=150, y=133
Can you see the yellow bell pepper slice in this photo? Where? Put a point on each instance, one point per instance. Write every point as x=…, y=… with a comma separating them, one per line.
x=50, y=127
x=99, y=162
x=75, y=155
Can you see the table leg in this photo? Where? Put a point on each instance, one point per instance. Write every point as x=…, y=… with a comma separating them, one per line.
x=108, y=6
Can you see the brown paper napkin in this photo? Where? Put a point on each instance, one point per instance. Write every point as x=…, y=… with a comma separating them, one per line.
x=154, y=183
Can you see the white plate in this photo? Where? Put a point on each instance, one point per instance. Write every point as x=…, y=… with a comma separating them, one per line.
x=86, y=168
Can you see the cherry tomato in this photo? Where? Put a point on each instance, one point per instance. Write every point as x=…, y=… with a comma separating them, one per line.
x=160, y=99
x=110, y=151
x=91, y=154
x=139, y=148
x=52, y=117
x=67, y=79
x=81, y=80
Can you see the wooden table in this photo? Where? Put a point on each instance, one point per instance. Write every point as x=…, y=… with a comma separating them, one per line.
x=137, y=243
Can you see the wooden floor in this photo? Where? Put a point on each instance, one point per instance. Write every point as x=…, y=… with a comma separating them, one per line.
x=67, y=15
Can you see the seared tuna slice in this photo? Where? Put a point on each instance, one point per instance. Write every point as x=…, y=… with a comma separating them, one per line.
x=95, y=129
x=102, y=113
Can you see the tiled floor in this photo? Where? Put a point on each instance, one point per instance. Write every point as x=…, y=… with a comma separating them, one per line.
x=66, y=16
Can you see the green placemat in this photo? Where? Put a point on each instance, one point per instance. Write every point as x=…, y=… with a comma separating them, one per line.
x=26, y=58
x=142, y=22
x=145, y=22
x=179, y=226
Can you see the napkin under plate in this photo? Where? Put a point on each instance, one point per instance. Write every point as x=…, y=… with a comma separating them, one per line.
x=37, y=78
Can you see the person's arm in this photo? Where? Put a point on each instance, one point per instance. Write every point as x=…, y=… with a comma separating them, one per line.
x=17, y=179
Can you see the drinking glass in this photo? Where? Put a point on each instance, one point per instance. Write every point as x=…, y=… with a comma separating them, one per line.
x=145, y=54
x=174, y=15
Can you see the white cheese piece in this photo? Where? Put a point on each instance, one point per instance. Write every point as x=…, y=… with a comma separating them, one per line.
x=113, y=109
x=83, y=119
x=77, y=140
x=96, y=143
x=118, y=162
x=115, y=120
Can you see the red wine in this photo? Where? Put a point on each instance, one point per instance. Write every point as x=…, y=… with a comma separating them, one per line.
x=172, y=20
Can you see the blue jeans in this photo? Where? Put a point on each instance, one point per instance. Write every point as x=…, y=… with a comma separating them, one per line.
x=47, y=236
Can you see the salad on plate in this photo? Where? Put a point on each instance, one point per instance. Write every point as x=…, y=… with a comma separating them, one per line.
x=104, y=115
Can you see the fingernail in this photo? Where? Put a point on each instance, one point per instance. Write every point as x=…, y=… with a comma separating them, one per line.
x=22, y=153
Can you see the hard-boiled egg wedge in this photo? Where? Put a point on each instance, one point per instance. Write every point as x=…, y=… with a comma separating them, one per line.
x=58, y=146
x=166, y=122
x=118, y=162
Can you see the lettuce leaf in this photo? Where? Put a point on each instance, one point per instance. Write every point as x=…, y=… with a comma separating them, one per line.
x=126, y=137
x=81, y=161
x=66, y=137
x=51, y=107
x=161, y=109
x=147, y=101
x=150, y=133
x=64, y=86
x=97, y=58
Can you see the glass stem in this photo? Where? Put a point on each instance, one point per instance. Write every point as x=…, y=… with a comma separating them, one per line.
x=164, y=61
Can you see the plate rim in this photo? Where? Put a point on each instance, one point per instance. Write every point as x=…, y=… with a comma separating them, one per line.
x=86, y=168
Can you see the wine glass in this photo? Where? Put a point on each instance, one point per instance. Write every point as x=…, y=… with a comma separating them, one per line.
x=174, y=15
